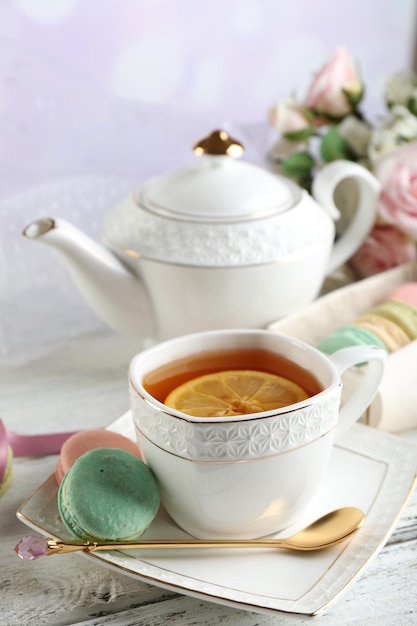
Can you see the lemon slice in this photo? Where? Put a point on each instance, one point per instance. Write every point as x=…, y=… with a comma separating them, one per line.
x=234, y=392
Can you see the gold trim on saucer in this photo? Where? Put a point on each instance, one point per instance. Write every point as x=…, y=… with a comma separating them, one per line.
x=397, y=466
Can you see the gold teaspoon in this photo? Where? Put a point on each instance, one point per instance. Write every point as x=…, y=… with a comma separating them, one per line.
x=332, y=528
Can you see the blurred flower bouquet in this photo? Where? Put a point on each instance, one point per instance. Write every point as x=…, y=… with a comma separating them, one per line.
x=328, y=124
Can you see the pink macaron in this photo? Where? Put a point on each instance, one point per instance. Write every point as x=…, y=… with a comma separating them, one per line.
x=407, y=292
x=86, y=440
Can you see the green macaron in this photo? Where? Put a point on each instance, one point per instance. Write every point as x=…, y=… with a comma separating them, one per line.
x=108, y=495
x=346, y=336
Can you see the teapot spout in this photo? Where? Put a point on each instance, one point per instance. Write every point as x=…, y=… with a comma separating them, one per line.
x=113, y=292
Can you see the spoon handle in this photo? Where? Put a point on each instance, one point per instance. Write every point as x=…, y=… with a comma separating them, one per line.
x=327, y=531
x=60, y=547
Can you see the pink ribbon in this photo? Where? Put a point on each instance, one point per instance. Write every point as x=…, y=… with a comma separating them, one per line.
x=28, y=445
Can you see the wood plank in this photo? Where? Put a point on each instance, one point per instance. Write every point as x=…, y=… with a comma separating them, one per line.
x=84, y=384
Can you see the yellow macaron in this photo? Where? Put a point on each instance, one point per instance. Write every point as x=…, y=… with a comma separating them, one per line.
x=401, y=313
x=392, y=335
x=8, y=473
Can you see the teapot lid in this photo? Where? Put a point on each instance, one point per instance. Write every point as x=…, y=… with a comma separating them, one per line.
x=218, y=188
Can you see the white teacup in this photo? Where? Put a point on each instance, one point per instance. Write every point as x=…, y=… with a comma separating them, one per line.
x=249, y=475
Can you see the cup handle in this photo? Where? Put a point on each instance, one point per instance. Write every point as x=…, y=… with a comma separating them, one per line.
x=368, y=386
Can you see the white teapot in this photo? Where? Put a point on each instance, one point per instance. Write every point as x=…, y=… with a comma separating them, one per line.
x=222, y=243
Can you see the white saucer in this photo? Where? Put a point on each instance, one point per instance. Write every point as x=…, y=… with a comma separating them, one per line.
x=368, y=469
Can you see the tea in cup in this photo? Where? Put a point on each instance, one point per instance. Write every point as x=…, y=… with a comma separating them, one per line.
x=247, y=463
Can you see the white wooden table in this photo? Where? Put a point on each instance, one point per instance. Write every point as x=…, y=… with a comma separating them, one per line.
x=83, y=384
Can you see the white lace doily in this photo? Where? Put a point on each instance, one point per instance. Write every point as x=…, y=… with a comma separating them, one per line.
x=39, y=304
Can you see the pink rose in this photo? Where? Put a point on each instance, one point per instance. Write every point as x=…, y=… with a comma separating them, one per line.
x=289, y=117
x=336, y=87
x=397, y=202
x=385, y=248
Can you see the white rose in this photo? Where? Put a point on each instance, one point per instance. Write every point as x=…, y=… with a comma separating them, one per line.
x=393, y=132
x=357, y=134
x=284, y=147
x=289, y=117
x=401, y=88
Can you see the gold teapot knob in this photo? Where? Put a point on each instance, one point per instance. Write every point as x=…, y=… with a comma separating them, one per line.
x=219, y=142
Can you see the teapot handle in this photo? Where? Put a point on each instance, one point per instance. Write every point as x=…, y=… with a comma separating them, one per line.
x=324, y=187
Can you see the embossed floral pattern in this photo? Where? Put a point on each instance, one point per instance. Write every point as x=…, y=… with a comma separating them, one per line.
x=231, y=440
x=217, y=244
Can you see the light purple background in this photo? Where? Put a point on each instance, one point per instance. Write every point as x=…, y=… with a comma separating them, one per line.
x=119, y=90
x=114, y=85
x=235, y=57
